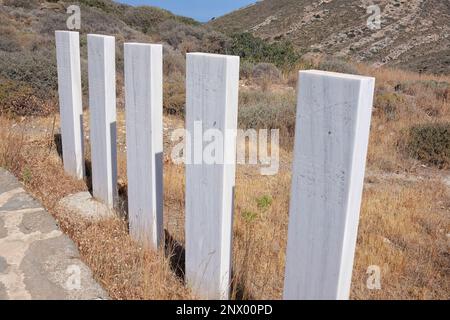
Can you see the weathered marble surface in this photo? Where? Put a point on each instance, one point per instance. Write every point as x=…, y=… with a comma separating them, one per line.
x=332, y=131
x=144, y=125
x=102, y=106
x=70, y=105
x=212, y=97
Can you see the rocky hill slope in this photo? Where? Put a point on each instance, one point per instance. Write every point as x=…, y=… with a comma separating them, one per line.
x=414, y=34
x=27, y=49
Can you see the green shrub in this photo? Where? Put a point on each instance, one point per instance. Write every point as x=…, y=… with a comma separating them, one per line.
x=249, y=216
x=256, y=50
x=26, y=174
x=430, y=143
x=264, y=202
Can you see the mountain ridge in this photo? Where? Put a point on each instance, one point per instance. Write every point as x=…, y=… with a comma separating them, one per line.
x=414, y=34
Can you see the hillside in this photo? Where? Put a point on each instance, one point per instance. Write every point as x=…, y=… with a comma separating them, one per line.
x=28, y=79
x=414, y=34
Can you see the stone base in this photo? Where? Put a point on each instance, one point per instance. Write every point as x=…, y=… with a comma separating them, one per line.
x=85, y=205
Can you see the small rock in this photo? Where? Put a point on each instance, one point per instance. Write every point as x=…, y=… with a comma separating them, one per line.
x=85, y=205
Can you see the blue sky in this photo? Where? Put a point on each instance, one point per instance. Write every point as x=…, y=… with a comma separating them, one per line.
x=201, y=10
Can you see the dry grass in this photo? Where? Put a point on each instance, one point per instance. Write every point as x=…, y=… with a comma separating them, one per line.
x=403, y=230
x=124, y=269
x=405, y=217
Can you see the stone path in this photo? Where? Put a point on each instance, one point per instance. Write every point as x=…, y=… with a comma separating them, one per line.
x=37, y=261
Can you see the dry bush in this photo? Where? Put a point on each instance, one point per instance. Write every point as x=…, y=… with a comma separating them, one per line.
x=291, y=76
x=145, y=18
x=429, y=143
x=430, y=95
x=392, y=77
x=48, y=23
x=20, y=100
x=37, y=69
x=266, y=74
x=176, y=34
x=266, y=70
x=412, y=105
x=387, y=103
x=189, y=37
x=12, y=140
x=440, y=89
x=94, y=20
x=26, y=4
x=174, y=95
x=426, y=102
x=246, y=69
x=215, y=42
x=9, y=41
x=337, y=65
x=33, y=158
x=268, y=110
x=174, y=84
x=174, y=63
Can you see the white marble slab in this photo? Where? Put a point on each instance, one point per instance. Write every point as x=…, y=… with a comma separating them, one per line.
x=102, y=106
x=70, y=105
x=144, y=125
x=212, y=97
x=332, y=132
